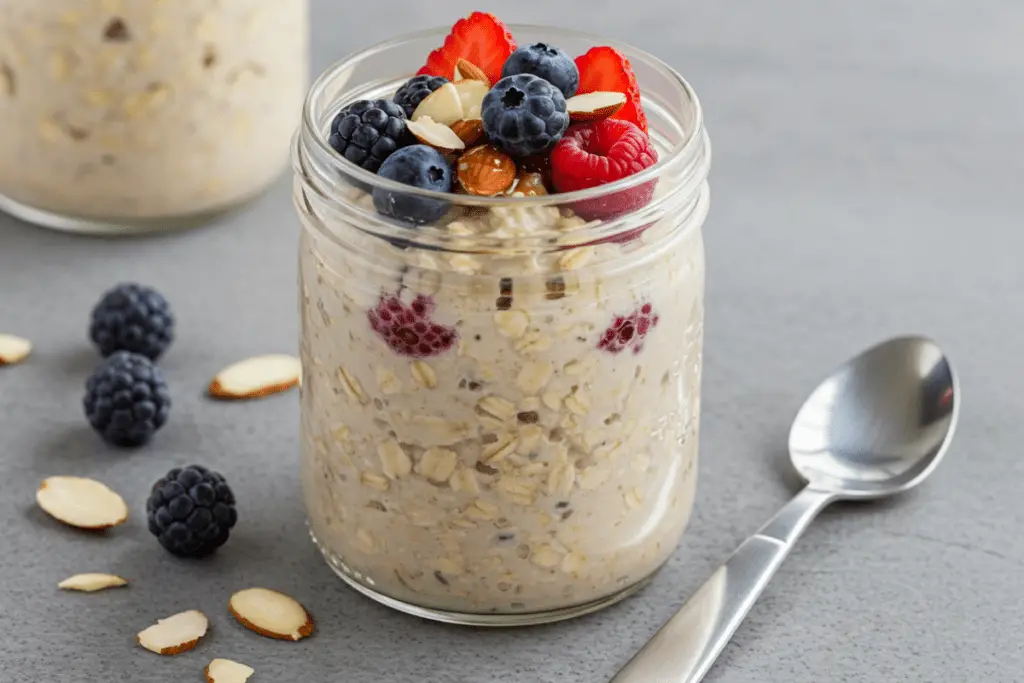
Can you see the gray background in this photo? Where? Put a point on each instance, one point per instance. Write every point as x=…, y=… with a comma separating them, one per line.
x=866, y=183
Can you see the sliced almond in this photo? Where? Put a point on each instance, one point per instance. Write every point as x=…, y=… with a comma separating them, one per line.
x=88, y=583
x=485, y=171
x=471, y=97
x=13, y=349
x=227, y=671
x=436, y=135
x=594, y=106
x=470, y=131
x=271, y=614
x=443, y=105
x=175, y=634
x=80, y=502
x=528, y=184
x=257, y=377
x=466, y=70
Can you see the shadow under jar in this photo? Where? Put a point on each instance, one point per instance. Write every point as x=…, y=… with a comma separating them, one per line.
x=125, y=116
x=500, y=411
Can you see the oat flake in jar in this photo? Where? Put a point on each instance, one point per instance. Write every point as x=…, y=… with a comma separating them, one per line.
x=500, y=409
x=129, y=115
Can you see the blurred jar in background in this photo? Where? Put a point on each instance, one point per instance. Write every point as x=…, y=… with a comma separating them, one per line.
x=122, y=116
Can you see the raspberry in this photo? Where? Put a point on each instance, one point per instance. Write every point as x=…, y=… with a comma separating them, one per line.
x=408, y=329
x=627, y=332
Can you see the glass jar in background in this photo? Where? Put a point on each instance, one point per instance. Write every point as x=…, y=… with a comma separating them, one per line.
x=121, y=116
x=500, y=412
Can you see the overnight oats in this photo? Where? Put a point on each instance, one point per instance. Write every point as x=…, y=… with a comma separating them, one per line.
x=502, y=283
x=120, y=114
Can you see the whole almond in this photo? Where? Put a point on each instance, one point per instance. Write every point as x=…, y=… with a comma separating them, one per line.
x=529, y=184
x=486, y=171
x=467, y=70
x=469, y=130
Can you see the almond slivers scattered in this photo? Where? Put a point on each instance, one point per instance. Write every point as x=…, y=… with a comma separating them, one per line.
x=271, y=614
x=80, y=502
x=13, y=349
x=257, y=377
x=227, y=671
x=443, y=105
x=88, y=583
x=175, y=634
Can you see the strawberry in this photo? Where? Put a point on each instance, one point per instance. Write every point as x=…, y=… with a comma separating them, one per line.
x=605, y=69
x=481, y=39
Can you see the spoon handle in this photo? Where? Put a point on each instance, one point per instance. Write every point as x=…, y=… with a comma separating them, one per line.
x=684, y=649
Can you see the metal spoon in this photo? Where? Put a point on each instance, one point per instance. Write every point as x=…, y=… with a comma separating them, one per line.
x=876, y=427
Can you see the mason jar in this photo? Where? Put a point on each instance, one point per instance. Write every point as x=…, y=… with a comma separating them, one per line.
x=123, y=116
x=500, y=411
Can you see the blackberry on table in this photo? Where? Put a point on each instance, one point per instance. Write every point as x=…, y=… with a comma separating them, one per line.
x=369, y=131
x=191, y=511
x=132, y=317
x=126, y=399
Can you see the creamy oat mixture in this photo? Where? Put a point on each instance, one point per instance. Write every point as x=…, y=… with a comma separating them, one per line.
x=488, y=433
x=142, y=109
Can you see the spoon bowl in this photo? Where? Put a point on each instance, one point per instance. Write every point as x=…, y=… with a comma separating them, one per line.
x=880, y=423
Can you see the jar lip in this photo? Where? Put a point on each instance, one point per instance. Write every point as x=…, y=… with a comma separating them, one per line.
x=695, y=136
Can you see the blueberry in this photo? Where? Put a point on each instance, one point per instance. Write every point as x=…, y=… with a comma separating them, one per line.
x=419, y=166
x=415, y=90
x=368, y=131
x=132, y=317
x=124, y=409
x=524, y=115
x=193, y=522
x=548, y=62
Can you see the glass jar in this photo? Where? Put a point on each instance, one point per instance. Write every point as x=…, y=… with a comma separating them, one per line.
x=124, y=116
x=500, y=412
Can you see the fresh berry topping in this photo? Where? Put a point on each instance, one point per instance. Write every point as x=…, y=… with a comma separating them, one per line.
x=628, y=332
x=408, y=329
x=191, y=511
x=548, y=62
x=416, y=90
x=524, y=115
x=368, y=131
x=605, y=69
x=480, y=38
x=134, y=318
x=592, y=154
x=126, y=399
x=420, y=166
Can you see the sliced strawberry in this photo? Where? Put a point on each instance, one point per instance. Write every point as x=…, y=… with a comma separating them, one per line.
x=605, y=69
x=480, y=38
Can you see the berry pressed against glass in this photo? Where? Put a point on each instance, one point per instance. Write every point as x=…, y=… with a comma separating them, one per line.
x=547, y=62
x=367, y=132
x=191, y=511
x=415, y=90
x=126, y=399
x=629, y=332
x=408, y=328
x=418, y=166
x=524, y=115
x=132, y=317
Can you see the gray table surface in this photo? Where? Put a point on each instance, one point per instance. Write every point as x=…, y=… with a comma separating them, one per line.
x=866, y=183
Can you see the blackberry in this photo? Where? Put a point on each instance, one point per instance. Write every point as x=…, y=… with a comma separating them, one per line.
x=548, y=62
x=524, y=115
x=126, y=399
x=419, y=166
x=132, y=317
x=368, y=131
x=415, y=90
x=191, y=511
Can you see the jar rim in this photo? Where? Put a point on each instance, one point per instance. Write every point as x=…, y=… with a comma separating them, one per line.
x=677, y=155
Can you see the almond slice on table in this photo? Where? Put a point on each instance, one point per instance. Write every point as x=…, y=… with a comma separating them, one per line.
x=470, y=131
x=88, y=583
x=471, y=97
x=485, y=171
x=443, y=105
x=436, y=135
x=227, y=671
x=271, y=614
x=13, y=349
x=80, y=502
x=175, y=634
x=466, y=70
x=257, y=377
x=594, y=106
